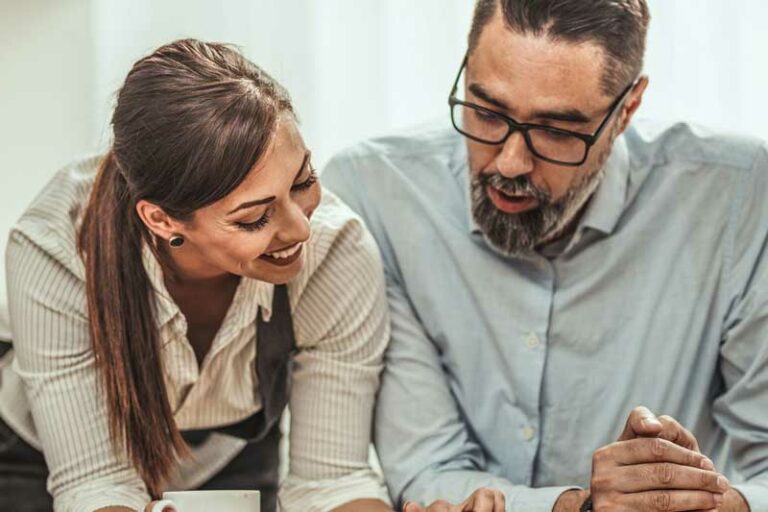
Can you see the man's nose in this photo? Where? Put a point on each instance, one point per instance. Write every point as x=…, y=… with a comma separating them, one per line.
x=515, y=159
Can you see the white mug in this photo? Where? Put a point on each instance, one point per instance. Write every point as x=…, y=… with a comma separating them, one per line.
x=207, y=501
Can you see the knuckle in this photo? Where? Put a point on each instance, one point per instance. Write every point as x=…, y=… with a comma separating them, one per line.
x=600, y=455
x=693, y=459
x=600, y=483
x=658, y=448
x=665, y=473
x=661, y=501
x=484, y=492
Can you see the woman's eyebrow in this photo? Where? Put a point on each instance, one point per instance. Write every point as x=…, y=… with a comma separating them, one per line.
x=266, y=200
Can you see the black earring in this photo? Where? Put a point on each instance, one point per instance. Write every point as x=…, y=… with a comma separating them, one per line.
x=176, y=241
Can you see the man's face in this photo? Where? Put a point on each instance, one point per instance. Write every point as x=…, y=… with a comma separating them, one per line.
x=518, y=200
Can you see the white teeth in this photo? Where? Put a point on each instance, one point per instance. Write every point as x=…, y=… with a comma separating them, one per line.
x=286, y=253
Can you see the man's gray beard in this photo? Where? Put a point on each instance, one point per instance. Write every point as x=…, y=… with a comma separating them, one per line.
x=518, y=234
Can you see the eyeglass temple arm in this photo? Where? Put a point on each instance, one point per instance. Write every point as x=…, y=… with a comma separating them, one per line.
x=458, y=75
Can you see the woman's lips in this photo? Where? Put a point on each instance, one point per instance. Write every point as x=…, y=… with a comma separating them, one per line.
x=510, y=204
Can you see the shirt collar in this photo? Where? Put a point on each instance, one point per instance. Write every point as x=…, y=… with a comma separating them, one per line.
x=165, y=308
x=460, y=170
x=607, y=204
x=603, y=211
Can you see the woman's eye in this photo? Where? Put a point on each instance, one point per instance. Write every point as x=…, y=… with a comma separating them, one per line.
x=304, y=185
x=257, y=225
x=264, y=220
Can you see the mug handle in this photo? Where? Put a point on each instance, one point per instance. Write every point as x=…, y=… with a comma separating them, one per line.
x=164, y=506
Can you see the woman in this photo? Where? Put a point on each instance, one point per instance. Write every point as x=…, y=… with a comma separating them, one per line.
x=154, y=333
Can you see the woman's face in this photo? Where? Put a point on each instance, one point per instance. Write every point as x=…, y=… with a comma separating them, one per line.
x=259, y=229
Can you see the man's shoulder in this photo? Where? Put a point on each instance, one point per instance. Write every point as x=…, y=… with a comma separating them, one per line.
x=657, y=143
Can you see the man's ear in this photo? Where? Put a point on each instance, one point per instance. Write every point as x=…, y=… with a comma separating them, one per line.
x=157, y=221
x=632, y=103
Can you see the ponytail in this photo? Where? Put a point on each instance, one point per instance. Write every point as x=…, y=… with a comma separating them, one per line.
x=123, y=331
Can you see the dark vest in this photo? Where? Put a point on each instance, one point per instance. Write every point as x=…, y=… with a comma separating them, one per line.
x=256, y=467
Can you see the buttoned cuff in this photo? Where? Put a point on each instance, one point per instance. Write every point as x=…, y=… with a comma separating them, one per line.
x=543, y=499
x=300, y=495
x=755, y=494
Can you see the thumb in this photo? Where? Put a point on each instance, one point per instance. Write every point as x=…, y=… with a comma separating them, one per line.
x=641, y=423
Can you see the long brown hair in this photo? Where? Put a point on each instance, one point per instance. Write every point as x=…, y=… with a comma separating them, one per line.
x=191, y=120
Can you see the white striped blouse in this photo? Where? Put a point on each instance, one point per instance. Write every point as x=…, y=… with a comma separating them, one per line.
x=49, y=385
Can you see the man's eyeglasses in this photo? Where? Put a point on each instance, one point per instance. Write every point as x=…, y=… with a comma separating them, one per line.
x=555, y=145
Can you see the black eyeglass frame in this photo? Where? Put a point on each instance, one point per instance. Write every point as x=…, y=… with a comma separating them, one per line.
x=514, y=126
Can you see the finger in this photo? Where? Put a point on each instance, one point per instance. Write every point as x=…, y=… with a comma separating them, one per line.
x=439, y=506
x=673, y=501
x=499, y=501
x=410, y=506
x=644, y=450
x=641, y=422
x=672, y=430
x=482, y=500
x=649, y=477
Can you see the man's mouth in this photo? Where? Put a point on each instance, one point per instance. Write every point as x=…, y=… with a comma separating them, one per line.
x=511, y=203
x=283, y=257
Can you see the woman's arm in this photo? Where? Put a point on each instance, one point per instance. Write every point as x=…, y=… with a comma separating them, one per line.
x=364, y=506
x=55, y=361
x=342, y=328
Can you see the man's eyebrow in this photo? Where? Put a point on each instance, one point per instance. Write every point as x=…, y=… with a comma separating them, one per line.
x=484, y=95
x=571, y=115
x=266, y=200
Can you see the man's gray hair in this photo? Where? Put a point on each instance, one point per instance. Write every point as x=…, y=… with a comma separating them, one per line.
x=619, y=27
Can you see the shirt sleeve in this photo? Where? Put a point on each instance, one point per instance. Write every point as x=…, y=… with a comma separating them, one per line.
x=742, y=410
x=342, y=328
x=425, y=446
x=54, y=359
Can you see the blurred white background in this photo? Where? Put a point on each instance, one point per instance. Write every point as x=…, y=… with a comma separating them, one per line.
x=355, y=68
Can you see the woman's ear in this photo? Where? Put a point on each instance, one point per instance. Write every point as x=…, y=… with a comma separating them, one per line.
x=157, y=221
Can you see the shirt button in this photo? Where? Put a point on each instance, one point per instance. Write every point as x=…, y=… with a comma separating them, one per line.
x=532, y=341
x=528, y=433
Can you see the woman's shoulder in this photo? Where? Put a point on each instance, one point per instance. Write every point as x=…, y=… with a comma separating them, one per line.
x=341, y=288
x=51, y=221
x=339, y=237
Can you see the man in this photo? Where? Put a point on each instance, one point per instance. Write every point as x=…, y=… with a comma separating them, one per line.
x=550, y=268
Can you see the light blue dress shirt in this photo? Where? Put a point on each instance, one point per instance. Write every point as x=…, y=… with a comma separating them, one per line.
x=508, y=373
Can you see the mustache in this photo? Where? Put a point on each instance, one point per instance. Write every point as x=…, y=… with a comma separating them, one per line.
x=519, y=185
